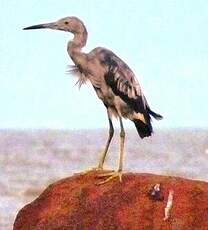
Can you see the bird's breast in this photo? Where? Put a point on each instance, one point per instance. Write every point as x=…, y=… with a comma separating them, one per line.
x=114, y=103
x=106, y=95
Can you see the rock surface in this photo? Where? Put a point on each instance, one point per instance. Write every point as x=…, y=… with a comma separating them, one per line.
x=78, y=203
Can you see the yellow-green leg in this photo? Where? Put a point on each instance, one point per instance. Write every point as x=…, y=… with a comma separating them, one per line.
x=117, y=173
x=110, y=136
x=104, y=153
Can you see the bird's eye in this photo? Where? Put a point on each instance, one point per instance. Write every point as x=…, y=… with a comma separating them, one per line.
x=66, y=23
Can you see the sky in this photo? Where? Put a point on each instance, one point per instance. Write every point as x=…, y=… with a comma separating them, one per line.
x=164, y=43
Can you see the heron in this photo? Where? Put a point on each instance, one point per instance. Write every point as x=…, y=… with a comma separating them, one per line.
x=114, y=83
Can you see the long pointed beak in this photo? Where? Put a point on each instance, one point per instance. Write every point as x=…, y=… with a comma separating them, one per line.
x=41, y=26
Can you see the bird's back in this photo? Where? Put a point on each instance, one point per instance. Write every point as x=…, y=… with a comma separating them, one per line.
x=119, y=77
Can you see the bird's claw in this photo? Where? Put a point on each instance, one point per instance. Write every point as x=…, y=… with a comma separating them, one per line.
x=96, y=169
x=110, y=175
x=90, y=170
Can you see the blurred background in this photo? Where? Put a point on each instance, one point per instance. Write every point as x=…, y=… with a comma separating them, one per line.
x=48, y=126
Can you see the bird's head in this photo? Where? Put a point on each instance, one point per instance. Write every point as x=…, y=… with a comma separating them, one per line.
x=68, y=24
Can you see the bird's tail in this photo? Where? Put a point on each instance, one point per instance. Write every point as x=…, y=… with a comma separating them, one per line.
x=144, y=130
x=155, y=115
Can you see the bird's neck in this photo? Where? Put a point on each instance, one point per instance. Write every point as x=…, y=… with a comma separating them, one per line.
x=75, y=46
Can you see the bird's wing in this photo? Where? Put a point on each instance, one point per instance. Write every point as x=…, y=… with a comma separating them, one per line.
x=123, y=82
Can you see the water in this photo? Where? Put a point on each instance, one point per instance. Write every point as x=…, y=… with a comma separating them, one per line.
x=30, y=160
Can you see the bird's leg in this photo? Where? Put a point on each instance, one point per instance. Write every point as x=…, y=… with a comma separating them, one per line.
x=122, y=139
x=103, y=156
x=117, y=173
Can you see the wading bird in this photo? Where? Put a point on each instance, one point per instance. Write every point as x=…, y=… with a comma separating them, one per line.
x=114, y=82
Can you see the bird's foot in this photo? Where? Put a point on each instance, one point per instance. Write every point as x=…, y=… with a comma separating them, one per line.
x=111, y=176
x=97, y=169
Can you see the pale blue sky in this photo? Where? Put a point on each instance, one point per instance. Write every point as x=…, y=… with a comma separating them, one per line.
x=164, y=42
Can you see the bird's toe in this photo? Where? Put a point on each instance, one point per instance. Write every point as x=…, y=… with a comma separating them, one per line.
x=110, y=176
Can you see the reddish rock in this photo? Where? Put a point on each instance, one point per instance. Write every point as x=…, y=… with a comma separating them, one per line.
x=78, y=203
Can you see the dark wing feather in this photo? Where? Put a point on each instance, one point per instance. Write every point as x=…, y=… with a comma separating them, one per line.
x=124, y=83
